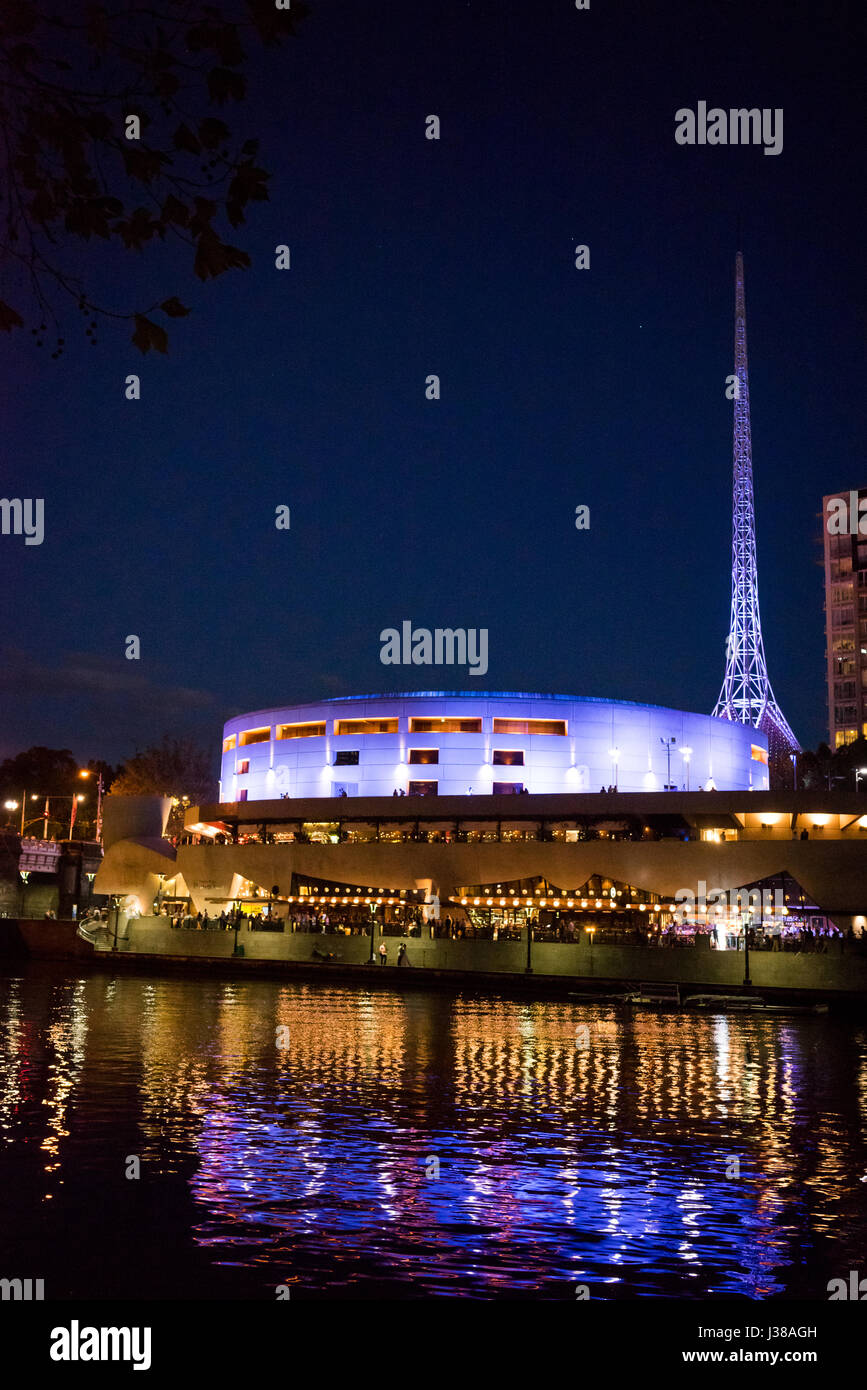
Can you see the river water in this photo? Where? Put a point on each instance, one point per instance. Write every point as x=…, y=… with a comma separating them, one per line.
x=362, y=1143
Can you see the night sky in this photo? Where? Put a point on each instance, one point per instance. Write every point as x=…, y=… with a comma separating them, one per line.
x=559, y=387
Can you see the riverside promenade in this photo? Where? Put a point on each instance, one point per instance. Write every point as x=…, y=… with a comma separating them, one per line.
x=562, y=967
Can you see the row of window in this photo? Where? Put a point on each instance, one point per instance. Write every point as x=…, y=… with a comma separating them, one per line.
x=348, y=757
x=426, y=789
x=845, y=736
x=501, y=757
x=431, y=788
x=351, y=727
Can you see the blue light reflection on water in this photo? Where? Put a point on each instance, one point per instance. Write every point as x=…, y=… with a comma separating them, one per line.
x=609, y=1165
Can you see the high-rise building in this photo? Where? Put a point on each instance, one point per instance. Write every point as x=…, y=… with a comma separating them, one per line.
x=846, y=613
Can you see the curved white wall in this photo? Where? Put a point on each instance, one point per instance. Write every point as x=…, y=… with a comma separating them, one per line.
x=580, y=761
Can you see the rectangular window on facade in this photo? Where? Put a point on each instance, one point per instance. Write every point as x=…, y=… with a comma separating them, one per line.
x=242, y=794
x=508, y=757
x=346, y=757
x=424, y=755
x=757, y=754
x=365, y=726
x=445, y=726
x=301, y=730
x=243, y=766
x=422, y=789
x=229, y=743
x=254, y=736
x=530, y=726
x=505, y=788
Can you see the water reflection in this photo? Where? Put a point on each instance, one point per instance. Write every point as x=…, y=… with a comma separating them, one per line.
x=419, y=1143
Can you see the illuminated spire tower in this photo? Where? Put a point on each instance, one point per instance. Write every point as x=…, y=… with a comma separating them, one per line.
x=746, y=696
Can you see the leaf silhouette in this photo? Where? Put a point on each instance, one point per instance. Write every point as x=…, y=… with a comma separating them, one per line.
x=9, y=319
x=149, y=335
x=213, y=256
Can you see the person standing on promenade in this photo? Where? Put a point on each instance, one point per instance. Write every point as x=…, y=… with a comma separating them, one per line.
x=383, y=953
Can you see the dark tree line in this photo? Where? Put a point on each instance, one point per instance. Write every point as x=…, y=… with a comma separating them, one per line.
x=177, y=768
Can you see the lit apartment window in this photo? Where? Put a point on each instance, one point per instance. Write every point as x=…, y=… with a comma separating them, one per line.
x=254, y=736
x=508, y=757
x=445, y=726
x=365, y=726
x=243, y=766
x=530, y=726
x=301, y=730
x=229, y=743
x=346, y=757
x=424, y=755
x=422, y=788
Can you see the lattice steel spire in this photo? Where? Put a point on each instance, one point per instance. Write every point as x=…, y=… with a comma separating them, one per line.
x=746, y=696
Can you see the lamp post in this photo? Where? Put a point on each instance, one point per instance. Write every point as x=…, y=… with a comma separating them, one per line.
x=24, y=797
x=85, y=772
x=747, y=925
x=614, y=755
x=75, y=799
x=528, y=968
x=12, y=806
x=686, y=754
x=794, y=758
x=370, y=959
x=668, y=744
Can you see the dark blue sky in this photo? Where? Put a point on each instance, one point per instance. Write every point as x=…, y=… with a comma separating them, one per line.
x=559, y=387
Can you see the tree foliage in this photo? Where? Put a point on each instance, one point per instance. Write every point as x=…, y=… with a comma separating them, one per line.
x=176, y=767
x=40, y=771
x=70, y=79
x=823, y=769
x=55, y=774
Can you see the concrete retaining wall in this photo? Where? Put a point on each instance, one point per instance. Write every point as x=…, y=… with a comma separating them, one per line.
x=150, y=940
x=684, y=965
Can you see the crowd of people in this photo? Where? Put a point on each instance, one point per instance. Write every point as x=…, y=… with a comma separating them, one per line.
x=793, y=937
